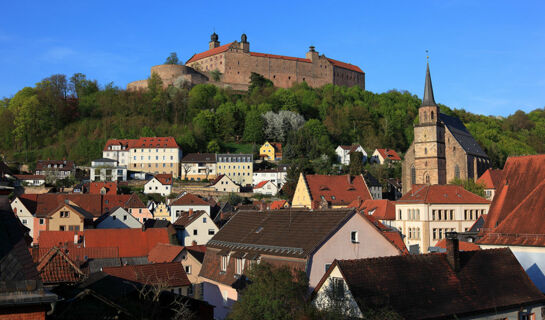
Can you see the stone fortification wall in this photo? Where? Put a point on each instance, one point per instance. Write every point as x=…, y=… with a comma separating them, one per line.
x=168, y=74
x=137, y=85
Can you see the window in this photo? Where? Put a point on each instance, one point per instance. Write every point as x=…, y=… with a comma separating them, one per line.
x=239, y=265
x=188, y=269
x=354, y=236
x=400, y=215
x=337, y=287
x=457, y=171
x=527, y=316
x=413, y=175
x=194, y=232
x=62, y=228
x=24, y=221
x=203, y=220
x=64, y=214
x=124, y=217
x=327, y=265
x=211, y=232
x=114, y=218
x=434, y=234
x=224, y=263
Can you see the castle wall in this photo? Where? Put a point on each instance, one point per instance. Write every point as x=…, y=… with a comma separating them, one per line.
x=349, y=78
x=137, y=85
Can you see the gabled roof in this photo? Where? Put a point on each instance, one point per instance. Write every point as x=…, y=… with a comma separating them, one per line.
x=350, y=148
x=294, y=232
x=337, y=190
x=344, y=65
x=460, y=133
x=75, y=252
x=197, y=251
x=395, y=238
x=186, y=218
x=153, y=142
x=164, y=179
x=370, y=180
x=218, y=179
x=189, y=199
x=379, y=209
x=434, y=194
x=120, y=142
x=278, y=204
x=491, y=178
x=425, y=286
x=208, y=53
x=261, y=184
x=389, y=154
x=170, y=274
x=67, y=165
x=96, y=186
x=29, y=176
x=164, y=252
x=464, y=245
x=199, y=157
x=56, y=267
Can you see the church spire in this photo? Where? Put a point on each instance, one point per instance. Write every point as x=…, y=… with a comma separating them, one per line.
x=428, y=99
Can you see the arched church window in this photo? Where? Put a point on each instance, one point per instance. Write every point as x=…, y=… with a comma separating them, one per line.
x=457, y=172
x=413, y=175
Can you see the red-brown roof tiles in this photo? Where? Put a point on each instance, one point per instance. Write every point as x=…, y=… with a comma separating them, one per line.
x=124, y=143
x=186, y=218
x=345, y=65
x=29, y=176
x=278, y=204
x=433, y=194
x=56, y=267
x=491, y=179
x=261, y=184
x=164, y=252
x=463, y=245
x=395, y=238
x=95, y=187
x=164, y=179
x=171, y=275
x=208, y=53
x=389, y=154
x=379, y=209
x=337, y=190
x=189, y=199
x=153, y=142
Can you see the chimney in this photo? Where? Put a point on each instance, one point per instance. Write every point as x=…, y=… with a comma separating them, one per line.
x=453, y=250
x=76, y=238
x=190, y=212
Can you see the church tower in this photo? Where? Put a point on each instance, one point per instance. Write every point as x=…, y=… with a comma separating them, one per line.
x=429, y=141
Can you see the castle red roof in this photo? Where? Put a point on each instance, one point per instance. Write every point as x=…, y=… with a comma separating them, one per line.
x=164, y=252
x=345, y=65
x=463, y=245
x=389, y=154
x=275, y=56
x=491, y=178
x=208, y=53
x=164, y=179
x=337, y=190
x=171, y=275
x=433, y=194
x=379, y=209
x=189, y=199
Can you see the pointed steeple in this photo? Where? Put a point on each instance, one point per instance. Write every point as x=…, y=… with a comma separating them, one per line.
x=428, y=99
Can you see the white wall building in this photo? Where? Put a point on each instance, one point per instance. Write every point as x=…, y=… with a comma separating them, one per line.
x=107, y=170
x=276, y=175
x=161, y=184
x=343, y=153
x=117, y=219
x=266, y=187
x=185, y=203
x=195, y=227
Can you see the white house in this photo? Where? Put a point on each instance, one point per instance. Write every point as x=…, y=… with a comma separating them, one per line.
x=343, y=153
x=224, y=184
x=275, y=175
x=161, y=184
x=194, y=228
x=381, y=156
x=25, y=216
x=107, y=170
x=118, y=218
x=266, y=187
x=29, y=180
x=185, y=203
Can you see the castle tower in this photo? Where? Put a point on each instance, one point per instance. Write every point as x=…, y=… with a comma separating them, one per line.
x=214, y=43
x=312, y=54
x=244, y=44
x=429, y=141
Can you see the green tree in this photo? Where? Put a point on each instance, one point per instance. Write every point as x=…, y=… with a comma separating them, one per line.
x=470, y=185
x=205, y=125
x=213, y=146
x=253, y=127
x=273, y=293
x=258, y=81
x=356, y=163
x=172, y=59
x=216, y=75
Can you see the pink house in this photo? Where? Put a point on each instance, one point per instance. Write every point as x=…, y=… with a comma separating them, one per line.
x=301, y=239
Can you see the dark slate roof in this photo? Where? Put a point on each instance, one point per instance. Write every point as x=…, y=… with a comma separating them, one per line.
x=428, y=99
x=294, y=232
x=426, y=287
x=460, y=133
x=371, y=180
x=199, y=157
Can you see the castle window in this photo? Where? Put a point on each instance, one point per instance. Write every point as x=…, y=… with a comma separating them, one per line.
x=289, y=78
x=432, y=115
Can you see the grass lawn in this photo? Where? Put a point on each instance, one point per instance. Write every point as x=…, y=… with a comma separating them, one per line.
x=233, y=147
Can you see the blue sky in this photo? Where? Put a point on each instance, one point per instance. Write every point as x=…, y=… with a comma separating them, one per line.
x=487, y=57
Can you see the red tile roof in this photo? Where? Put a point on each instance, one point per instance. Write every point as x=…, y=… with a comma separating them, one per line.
x=41, y=205
x=395, y=238
x=164, y=179
x=278, y=204
x=337, y=190
x=275, y=56
x=164, y=252
x=208, y=53
x=189, y=199
x=463, y=245
x=380, y=209
x=491, y=178
x=75, y=252
x=67, y=165
x=154, y=142
x=432, y=194
x=218, y=178
x=350, y=148
x=261, y=184
x=121, y=142
x=389, y=154
x=171, y=275
x=50, y=239
x=56, y=267
x=345, y=65
x=186, y=218
x=96, y=186
x=29, y=176
x=515, y=215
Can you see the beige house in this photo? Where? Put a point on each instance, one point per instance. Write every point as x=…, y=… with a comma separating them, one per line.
x=161, y=212
x=238, y=167
x=199, y=166
x=68, y=217
x=427, y=212
x=224, y=184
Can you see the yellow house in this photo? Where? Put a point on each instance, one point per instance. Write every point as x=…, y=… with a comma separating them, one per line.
x=324, y=191
x=238, y=167
x=271, y=151
x=161, y=212
x=68, y=217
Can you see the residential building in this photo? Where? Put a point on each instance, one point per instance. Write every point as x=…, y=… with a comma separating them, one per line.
x=57, y=268
x=31, y=180
x=224, y=184
x=23, y=293
x=199, y=166
x=161, y=212
x=67, y=217
x=515, y=219
x=107, y=170
x=344, y=152
x=427, y=212
x=103, y=188
x=160, y=184
x=298, y=238
x=279, y=204
x=154, y=155
x=185, y=203
x=266, y=187
x=271, y=151
x=381, y=210
x=55, y=169
x=383, y=156
x=443, y=148
x=491, y=180
x=194, y=227
x=375, y=187
x=135, y=207
x=441, y=245
x=393, y=189
x=238, y=167
x=117, y=218
x=325, y=191
x=486, y=284
x=276, y=175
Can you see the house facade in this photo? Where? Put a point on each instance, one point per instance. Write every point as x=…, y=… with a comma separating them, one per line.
x=29, y=180
x=238, y=167
x=491, y=180
x=185, y=203
x=427, y=213
x=118, y=218
x=271, y=151
x=276, y=175
x=266, y=187
x=223, y=183
x=67, y=217
x=199, y=166
x=107, y=170
x=194, y=228
x=300, y=239
x=55, y=169
x=161, y=212
x=160, y=184
x=382, y=156
x=343, y=153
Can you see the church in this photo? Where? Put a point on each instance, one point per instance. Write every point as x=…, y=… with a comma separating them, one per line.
x=443, y=148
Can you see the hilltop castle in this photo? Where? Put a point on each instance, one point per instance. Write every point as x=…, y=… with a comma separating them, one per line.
x=442, y=149
x=236, y=62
